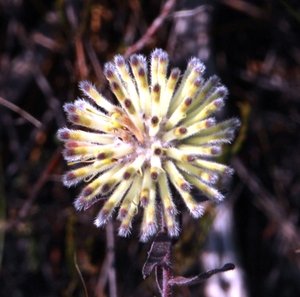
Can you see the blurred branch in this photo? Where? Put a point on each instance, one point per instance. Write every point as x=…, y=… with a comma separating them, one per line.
x=108, y=271
x=112, y=279
x=46, y=41
x=245, y=7
x=80, y=58
x=265, y=200
x=80, y=276
x=24, y=114
x=156, y=24
x=51, y=165
x=94, y=61
x=45, y=87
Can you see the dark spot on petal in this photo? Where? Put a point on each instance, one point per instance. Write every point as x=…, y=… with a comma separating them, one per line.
x=222, y=92
x=157, y=151
x=69, y=152
x=154, y=120
x=163, y=57
x=141, y=72
x=197, y=83
x=70, y=176
x=64, y=135
x=105, y=188
x=184, y=187
x=114, y=86
x=175, y=73
x=182, y=130
x=87, y=191
x=188, y=101
x=109, y=73
x=156, y=88
x=127, y=103
x=71, y=144
x=191, y=158
x=144, y=201
x=119, y=60
x=126, y=175
x=122, y=213
x=109, y=70
x=156, y=53
x=69, y=107
x=101, y=156
x=215, y=150
x=104, y=214
x=171, y=211
x=74, y=118
x=134, y=60
x=154, y=175
x=209, y=123
x=218, y=103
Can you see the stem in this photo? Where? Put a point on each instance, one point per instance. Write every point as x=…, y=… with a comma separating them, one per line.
x=112, y=279
x=167, y=274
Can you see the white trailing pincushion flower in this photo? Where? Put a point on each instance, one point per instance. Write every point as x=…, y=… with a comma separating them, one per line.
x=163, y=131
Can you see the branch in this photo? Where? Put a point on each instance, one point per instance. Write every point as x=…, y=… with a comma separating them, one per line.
x=24, y=114
x=44, y=177
x=156, y=24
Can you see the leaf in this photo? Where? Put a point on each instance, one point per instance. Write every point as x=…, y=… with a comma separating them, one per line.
x=188, y=281
x=157, y=253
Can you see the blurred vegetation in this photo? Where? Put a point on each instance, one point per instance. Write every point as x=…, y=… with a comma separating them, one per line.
x=47, y=47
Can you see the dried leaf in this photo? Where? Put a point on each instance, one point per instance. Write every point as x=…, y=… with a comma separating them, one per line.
x=156, y=255
x=187, y=281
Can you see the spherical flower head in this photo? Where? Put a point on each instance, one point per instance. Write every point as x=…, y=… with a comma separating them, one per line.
x=161, y=132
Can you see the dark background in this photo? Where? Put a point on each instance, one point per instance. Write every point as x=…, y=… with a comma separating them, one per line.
x=47, y=47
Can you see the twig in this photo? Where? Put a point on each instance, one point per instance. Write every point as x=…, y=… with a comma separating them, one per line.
x=80, y=58
x=187, y=13
x=35, y=190
x=47, y=42
x=24, y=114
x=80, y=276
x=45, y=87
x=107, y=273
x=40, y=183
x=102, y=279
x=156, y=24
x=94, y=61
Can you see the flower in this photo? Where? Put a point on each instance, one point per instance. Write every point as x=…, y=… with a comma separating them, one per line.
x=162, y=132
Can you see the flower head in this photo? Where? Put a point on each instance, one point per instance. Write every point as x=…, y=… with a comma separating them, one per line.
x=161, y=132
